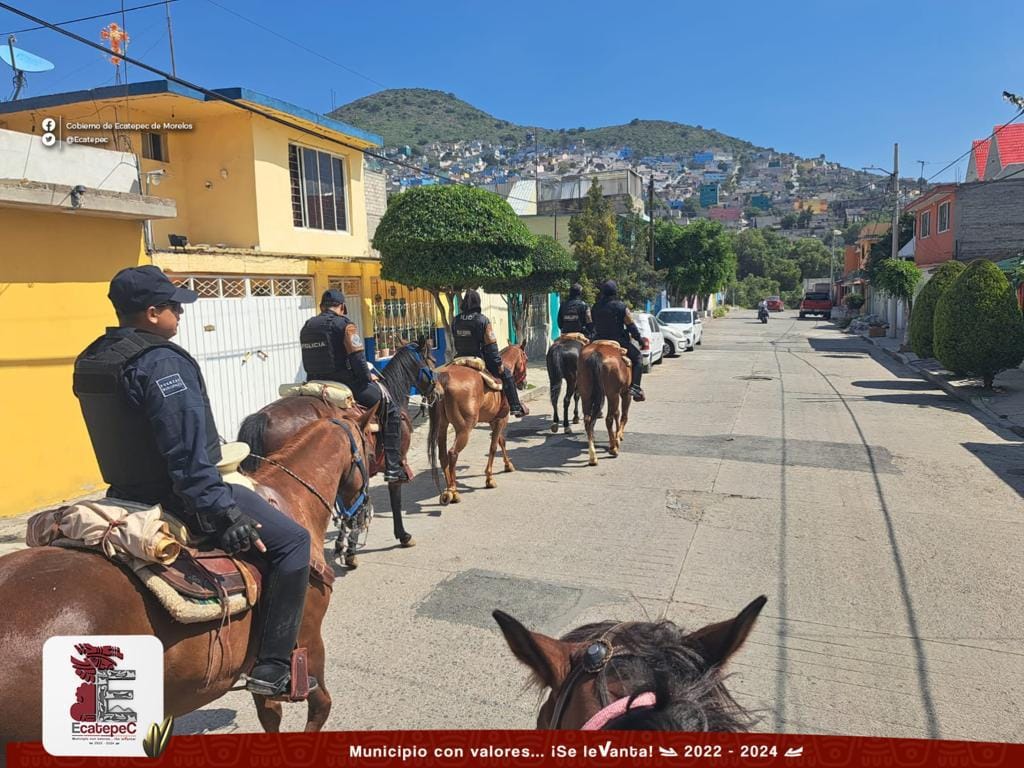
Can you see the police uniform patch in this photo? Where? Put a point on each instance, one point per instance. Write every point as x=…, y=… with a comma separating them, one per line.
x=171, y=385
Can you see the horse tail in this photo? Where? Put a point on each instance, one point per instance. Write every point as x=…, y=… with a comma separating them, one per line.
x=595, y=367
x=253, y=428
x=554, y=361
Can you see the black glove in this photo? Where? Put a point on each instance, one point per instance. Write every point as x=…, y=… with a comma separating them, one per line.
x=238, y=531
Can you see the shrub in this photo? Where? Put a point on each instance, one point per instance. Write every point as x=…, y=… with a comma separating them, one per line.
x=922, y=322
x=978, y=326
x=720, y=311
x=854, y=301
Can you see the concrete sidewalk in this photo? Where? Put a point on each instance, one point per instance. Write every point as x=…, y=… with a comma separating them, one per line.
x=1005, y=403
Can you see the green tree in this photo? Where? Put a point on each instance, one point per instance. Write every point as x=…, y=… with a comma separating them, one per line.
x=447, y=238
x=922, y=322
x=803, y=219
x=851, y=233
x=899, y=279
x=812, y=257
x=978, y=326
x=752, y=252
x=882, y=249
x=752, y=289
x=699, y=258
x=552, y=269
x=789, y=221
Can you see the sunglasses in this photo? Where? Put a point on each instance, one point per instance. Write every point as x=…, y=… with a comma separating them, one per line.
x=174, y=306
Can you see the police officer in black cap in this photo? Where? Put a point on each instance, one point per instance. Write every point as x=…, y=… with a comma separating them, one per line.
x=474, y=337
x=332, y=350
x=613, y=321
x=148, y=415
x=574, y=314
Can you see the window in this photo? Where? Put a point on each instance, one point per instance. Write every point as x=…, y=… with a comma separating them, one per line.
x=679, y=316
x=318, y=189
x=943, y=217
x=154, y=146
x=926, y=224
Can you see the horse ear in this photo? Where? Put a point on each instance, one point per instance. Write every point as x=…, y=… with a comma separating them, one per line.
x=547, y=657
x=522, y=344
x=367, y=417
x=717, y=642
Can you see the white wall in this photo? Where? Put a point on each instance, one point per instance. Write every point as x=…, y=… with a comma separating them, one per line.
x=23, y=156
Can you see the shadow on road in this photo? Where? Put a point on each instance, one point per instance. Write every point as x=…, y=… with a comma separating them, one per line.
x=1004, y=461
x=204, y=721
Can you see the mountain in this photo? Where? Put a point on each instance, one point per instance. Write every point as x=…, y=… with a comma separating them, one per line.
x=417, y=116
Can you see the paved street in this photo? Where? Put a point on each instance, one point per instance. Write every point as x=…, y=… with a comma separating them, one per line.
x=881, y=517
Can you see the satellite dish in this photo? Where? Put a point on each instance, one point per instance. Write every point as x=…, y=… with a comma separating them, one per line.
x=22, y=61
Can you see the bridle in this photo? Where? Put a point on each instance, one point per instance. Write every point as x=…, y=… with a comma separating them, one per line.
x=594, y=661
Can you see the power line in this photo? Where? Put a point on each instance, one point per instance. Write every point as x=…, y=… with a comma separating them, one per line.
x=305, y=48
x=971, y=149
x=88, y=18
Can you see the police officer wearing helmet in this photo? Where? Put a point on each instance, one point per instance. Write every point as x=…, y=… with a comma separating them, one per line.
x=332, y=350
x=613, y=321
x=474, y=337
x=574, y=314
x=148, y=414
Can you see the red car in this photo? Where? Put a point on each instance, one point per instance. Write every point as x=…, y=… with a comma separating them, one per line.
x=774, y=304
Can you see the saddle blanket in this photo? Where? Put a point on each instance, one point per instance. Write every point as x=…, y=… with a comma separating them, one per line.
x=581, y=338
x=480, y=367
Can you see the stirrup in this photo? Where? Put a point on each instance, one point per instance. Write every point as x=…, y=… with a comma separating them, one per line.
x=638, y=394
x=288, y=686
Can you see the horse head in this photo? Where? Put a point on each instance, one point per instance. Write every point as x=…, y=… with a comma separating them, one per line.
x=515, y=358
x=635, y=675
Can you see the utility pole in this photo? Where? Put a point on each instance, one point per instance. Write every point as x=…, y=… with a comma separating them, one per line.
x=650, y=213
x=170, y=36
x=896, y=200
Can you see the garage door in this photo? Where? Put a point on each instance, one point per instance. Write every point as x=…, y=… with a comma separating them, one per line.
x=244, y=331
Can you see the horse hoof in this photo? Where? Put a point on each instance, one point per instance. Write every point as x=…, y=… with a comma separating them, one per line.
x=510, y=468
x=554, y=427
x=407, y=541
x=592, y=462
x=575, y=419
x=351, y=562
x=456, y=498
x=568, y=430
x=613, y=452
x=446, y=497
x=490, y=483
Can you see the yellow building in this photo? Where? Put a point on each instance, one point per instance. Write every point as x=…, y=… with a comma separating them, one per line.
x=814, y=205
x=272, y=209
x=67, y=224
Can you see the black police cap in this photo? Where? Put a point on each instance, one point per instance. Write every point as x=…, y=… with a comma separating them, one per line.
x=138, y=288
x=332, y=298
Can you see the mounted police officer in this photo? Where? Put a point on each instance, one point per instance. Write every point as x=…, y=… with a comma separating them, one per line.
x=332, y=350
x=613, y=321
x=574, y=314
x=474, y=337
x=148, y=415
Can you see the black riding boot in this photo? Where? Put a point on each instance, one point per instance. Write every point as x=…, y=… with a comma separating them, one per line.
x=391, y=431
x=281, y=607
x=512, y=395
x=635, y=390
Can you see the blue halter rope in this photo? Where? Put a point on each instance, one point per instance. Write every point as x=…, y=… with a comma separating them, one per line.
x=341, y=510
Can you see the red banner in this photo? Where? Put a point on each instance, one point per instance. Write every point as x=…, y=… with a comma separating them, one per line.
x=530, y=749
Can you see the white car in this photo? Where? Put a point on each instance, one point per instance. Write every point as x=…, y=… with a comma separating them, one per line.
x=686, y=322
x=652, y=349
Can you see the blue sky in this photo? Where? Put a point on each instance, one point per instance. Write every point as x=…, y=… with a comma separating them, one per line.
x=846, y=79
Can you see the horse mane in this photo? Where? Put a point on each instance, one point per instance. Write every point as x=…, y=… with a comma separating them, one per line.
x=689, y=696
x=401, y=374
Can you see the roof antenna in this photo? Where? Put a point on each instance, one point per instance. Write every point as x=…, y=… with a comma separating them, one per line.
x=22, y=62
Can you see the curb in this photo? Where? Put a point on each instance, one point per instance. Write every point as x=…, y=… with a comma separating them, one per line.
x=953, y=391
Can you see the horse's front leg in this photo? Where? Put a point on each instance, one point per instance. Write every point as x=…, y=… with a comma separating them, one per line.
x=268, y=712
x=397, y=524
x=318, y=705
x=489, y=471
x=624, y=415
x=565, y=410
x=501, y=442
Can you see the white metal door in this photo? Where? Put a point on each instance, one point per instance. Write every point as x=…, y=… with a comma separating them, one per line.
x=244, y=332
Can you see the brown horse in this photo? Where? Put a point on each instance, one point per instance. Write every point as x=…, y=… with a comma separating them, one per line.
x=604, y=374
x=462, y=401
x=635, y=675
x=275, y=424
x=49, y=591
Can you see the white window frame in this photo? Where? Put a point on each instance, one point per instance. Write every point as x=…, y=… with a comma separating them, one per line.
x=938, y=224
x=926, y=217
x=302, y=189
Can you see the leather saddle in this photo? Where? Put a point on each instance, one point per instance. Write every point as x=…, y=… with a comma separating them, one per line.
x=611, y=344
x=478, y=365
x=580, y=337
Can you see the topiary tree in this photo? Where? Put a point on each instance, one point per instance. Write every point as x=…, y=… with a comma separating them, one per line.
x=978, y=326
x=899, y=278
x=447, y=238
x=922, y=323
x=553, y=267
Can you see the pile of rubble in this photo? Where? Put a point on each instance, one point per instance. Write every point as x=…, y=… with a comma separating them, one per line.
x=861, y=323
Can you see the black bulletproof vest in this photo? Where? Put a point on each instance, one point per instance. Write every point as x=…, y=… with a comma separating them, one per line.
x=323, y=348
x=121, y=434
x=571, y=316
x=609, y=317
x=468, y=330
